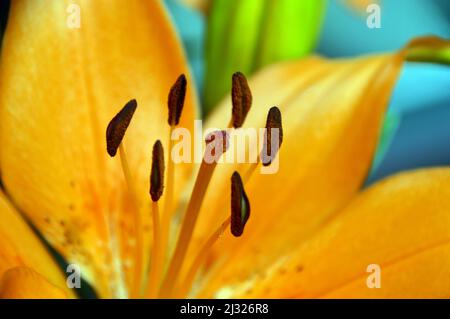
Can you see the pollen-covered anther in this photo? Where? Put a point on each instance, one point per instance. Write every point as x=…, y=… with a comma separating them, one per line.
x=273, y=136
x=241, y=98
x=240, y=205
x=157, y=172
x=217, y=143
x=117, y=127
x=176, y=100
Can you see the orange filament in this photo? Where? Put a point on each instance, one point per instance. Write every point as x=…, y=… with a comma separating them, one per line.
x=157, y=284
x=201, y=257
x=168, y=204
x=187, y=228
x=136, y=287
x=240, y=212
x=248, y=174
x=157, y=253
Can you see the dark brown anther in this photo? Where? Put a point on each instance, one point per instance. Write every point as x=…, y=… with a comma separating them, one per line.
x=157, y=173
x=240, y=205
x=273, y=122
x=241, y=97
x=117, y=127
x=176, y=100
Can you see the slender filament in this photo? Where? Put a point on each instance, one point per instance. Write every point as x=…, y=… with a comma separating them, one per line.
x=187, y=228
x=136, y=286
x=168, y=202
x=248, y=174
x=157, y=260
x=201, y=257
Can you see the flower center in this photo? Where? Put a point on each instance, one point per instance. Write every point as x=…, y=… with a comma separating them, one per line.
x=169, y=284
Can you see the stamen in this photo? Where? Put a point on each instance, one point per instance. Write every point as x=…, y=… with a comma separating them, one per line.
x=157, y=255
x=168, y=201
x=156, y=190
x=273, y=122
x=240, y=205
x=175, y=105
x=241, y=97
x=117, y=127
x=157, y=173
x=114, y=135
x=176, y=100
x=136, y=289
x=190, y=219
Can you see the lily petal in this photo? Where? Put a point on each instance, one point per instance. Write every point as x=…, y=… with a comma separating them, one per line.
x=401, y=224
x=25, y=283
x=60, y=87
x=332, y=115
x=21, y=247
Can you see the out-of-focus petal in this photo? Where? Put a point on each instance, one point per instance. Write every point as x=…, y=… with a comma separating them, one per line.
x=61, y=85
x=332, y=115
x=25, y=283
x=401, y=224
x=19, y=246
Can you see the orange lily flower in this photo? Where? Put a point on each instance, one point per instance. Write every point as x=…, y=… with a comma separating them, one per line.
x=310, y=234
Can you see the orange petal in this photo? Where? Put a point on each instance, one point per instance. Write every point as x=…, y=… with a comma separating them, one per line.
x=25, y=283
x=401, y=224
x=21, y=247
x=332, y=114
x=60, y=87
